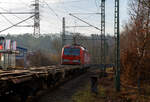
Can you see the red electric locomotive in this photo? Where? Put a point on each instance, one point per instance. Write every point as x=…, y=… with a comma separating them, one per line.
x=75, y=55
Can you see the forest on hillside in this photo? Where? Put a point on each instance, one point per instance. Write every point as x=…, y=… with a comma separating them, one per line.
x=44, y=42
x=50, y=45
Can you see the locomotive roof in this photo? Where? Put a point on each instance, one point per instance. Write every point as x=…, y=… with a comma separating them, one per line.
x=76, y=46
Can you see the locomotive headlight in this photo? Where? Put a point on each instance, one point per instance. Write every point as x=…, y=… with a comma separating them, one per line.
x=76, y=61
x=66, y=60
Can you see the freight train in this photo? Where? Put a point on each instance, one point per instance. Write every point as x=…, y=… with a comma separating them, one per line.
x=26, y=83
x=75, y=55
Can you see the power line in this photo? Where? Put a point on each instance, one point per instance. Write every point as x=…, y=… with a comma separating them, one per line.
x=76, y=26
x=85, y=22
x=6, y=19
x=16, y=24
x=73, y=1
x=52, y=10
x=36, y=18
x=87, y=13
x=16, y=12
x=24, y=3
x=98, y=8
x=13, y=14
x=64, y=8
x=24, y=26
x=96, y=4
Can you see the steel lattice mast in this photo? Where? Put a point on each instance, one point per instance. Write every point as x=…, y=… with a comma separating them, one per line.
x=117, y=45
x=36, y=18
x=63, y=32
x=103, y=55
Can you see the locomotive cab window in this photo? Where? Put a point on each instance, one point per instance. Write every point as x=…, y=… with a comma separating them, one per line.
x=72, y=51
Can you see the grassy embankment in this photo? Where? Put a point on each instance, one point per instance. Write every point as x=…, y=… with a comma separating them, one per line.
x=107, y=93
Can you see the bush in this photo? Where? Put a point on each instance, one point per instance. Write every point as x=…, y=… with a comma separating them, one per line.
x=41, y=59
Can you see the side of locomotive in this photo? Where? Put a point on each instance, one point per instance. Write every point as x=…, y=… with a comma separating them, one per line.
x=74, y=55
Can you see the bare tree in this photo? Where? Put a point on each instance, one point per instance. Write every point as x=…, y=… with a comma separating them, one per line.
x=135, y=47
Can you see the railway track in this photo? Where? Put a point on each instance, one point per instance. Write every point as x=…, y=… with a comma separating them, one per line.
x=65, y=91
x=24, y=83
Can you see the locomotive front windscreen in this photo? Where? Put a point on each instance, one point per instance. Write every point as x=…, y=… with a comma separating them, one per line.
x=72, y=51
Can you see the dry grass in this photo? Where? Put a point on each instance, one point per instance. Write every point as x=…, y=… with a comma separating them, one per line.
x=86, y=95
x=107, y=93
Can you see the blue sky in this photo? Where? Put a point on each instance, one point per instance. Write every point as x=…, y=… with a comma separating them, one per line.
x=50, y=23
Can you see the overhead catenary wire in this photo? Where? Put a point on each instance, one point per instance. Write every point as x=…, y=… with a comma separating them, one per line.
x=82, y=13
x=13, y=14
x=16, y=24
x=52, y=10
x=6, y=19
x=76, y=7
x=85, y=22
x=16, y=12
x=2, y=13
x=70, y=1
x=25, y=3
x=56, y=12
x=98, y=8
x=96, y=4
x=87, y=13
